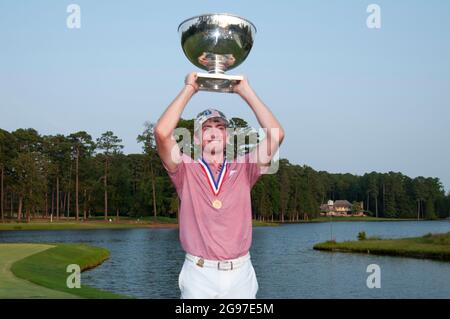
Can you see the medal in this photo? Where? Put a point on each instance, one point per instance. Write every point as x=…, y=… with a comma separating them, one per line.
x=215, y=186
x=217, y=204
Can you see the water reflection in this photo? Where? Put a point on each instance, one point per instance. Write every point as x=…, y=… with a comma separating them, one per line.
x=145, y=263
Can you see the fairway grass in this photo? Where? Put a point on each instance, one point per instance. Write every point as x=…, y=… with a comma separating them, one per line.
x=258, y=223
x=39, y=271
x=66, y=226
x=125, y=223
x=12, y=287
x=430, y=246
x=71, y=224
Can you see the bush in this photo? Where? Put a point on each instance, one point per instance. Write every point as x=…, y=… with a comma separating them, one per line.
x=362, y=235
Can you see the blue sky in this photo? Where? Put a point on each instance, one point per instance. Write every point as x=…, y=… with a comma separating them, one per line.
x=351, y=99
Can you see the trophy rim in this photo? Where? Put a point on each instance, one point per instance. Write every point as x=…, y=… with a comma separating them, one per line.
x=217, y=14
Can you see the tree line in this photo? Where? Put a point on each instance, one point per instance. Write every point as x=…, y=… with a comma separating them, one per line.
x=75, y=176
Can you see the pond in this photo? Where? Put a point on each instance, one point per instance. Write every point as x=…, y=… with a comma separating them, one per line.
x=145, y=263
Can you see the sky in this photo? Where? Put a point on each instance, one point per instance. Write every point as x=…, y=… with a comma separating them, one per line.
x=351, y=99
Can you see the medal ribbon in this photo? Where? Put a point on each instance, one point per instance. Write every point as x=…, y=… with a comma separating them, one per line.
x=214, y=185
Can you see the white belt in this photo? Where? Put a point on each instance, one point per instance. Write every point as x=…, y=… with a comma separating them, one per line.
x=219, y=264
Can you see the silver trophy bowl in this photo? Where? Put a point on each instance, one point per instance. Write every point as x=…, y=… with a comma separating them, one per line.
x=217, y=43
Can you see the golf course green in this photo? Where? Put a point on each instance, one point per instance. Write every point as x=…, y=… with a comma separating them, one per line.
x=40, y=271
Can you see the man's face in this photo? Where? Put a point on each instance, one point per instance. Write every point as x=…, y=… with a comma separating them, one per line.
x=214, y=135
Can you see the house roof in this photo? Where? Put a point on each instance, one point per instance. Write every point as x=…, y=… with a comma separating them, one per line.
x=338, y=203
x=342, y=203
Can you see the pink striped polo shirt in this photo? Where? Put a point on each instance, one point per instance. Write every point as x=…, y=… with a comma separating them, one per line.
x=216, y=233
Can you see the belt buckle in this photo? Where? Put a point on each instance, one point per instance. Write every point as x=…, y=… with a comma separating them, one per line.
x=200, y=262
x=227, y=262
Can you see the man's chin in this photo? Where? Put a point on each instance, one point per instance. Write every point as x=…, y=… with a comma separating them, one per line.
x=213, y=149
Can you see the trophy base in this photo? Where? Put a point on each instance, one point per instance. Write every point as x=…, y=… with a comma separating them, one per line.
x=217, y=82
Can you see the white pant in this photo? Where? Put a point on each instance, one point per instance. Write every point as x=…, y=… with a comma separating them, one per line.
x=234, y=279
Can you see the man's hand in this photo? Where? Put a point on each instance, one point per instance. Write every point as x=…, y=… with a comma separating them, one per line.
x=267, y=148
x=191, y=80
x=243, y=87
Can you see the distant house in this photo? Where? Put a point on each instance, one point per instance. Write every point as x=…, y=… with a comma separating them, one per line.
x=337, y=208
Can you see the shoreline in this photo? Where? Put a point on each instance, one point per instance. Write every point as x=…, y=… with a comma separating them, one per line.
x=127, y=223
x=78, y=226
x=40, y=270
x=429, y=246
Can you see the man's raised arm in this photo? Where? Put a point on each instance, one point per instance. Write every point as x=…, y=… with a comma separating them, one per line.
x=167, y=147
x=267, y=148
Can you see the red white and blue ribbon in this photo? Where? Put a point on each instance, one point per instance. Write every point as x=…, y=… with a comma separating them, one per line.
x=214, y=185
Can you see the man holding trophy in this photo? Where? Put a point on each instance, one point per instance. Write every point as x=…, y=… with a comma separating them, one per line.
x=215, y=212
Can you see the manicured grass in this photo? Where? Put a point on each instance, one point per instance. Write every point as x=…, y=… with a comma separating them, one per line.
x=435, y=246
x=323, y=219
x=357, y=219
x=48, y=268
x=95, y=223
x=12, y=287
x=160, y=220
x=99, y=223
x=62, y=226
x=149, y=222
x=258, y=223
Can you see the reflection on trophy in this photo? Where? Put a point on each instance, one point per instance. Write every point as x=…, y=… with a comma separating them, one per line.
x=217, y=43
